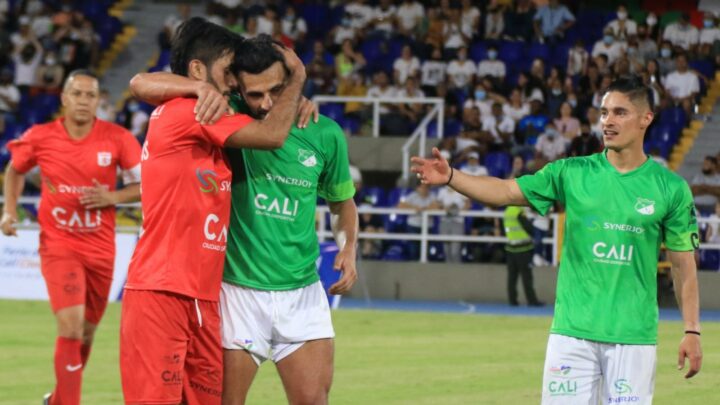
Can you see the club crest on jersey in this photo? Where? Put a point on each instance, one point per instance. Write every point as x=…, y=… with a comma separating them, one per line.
x=104, y=159
x=307, y=158
x=645, y=207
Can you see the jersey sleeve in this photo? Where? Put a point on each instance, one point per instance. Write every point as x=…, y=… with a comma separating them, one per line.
x=129, y=159
x=680, y=229
x=545, y=187
x=335, y=182
x=220, y=131
x=22, y=152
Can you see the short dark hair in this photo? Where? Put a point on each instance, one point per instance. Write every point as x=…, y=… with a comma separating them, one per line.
x=79, y=72
x=256, y=55
x=200, y=39
x=633, y=87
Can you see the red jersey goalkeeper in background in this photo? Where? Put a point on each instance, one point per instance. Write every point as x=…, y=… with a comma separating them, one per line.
x=79, y=156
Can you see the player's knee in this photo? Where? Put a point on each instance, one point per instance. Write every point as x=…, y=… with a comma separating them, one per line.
x=70, y=330
x=312, y=395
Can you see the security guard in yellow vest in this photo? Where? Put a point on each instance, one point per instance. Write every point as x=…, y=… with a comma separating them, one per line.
x=519, y=251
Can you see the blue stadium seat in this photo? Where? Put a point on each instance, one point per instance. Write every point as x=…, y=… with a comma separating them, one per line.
x=436, y=252
x=317, y=17
x=397, y=194
x=709, y=259
x=511, y=52
x=375, y=195
x=498, y=164
x=395, y=251
x=478, y=51
x=335, y=111
x=350, y=125
x=452, y=127
x=673, y=115
x=705, y=67
x=538, y=50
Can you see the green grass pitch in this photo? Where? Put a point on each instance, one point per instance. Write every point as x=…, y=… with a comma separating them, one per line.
x=381, y=358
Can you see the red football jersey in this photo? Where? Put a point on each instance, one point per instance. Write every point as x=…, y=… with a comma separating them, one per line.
x=185, y=202
x=68, y=168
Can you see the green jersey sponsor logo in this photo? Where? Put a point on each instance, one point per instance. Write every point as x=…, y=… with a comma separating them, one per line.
x=307, y=158
x=280, y=208
x=613, y=254
x=207, y=181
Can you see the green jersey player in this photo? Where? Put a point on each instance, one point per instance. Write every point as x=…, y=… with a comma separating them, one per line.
x=621, y=206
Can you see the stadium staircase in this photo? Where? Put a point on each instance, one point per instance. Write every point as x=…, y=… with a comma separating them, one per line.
x=701, y=139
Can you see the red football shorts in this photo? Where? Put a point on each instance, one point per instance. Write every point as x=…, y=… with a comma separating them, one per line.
x=170, y=349
x=73, y=279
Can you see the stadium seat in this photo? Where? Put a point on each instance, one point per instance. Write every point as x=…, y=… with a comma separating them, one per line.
x=349, y=125
x=704, y=67
x=395, y=251
x=478, y=51
x=709, y=259
x=374, y=195
x=397, y=194
x=538, y=50
x=436, y=252
x=335, y=111
x=511, y=52
x=498, y=164
x=673, y=115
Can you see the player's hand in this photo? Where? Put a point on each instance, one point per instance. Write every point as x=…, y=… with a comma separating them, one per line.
x=690, y=349
x=433, y=171
x=98, y=197
x=293, y=62
x=344, y=262
x=306, y=110
x=7, y=223
x=211, y=105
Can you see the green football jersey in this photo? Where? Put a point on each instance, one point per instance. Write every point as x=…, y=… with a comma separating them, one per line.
x=615, y=224
x=272, y=244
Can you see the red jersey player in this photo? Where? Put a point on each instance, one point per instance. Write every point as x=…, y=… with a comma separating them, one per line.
x=78, y=156
x=170, y=348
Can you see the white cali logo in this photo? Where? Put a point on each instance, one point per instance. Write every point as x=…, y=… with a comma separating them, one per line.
x=307, y=158
x=645, y=207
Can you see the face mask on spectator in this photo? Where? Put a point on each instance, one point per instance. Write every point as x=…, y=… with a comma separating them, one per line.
x=50, y=61
x=556, y=92
x=551, y=133
x=651, y=20
x=709, y=23
x=480, y=94
x=622, y=15
x=572, y=102
x=608, y=39
x=665, y=52
x=345, y=22
x=492, y=55
x=632, y=51
x=133, y=107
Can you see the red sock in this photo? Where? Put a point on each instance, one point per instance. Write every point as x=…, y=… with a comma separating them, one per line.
x=85, y=353
x=68, y=372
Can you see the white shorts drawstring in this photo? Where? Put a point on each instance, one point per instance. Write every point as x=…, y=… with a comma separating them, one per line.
x=199, y=315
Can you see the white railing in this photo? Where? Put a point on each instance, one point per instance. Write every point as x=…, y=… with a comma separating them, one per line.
x=425, y=237
x=435, y=101
x=421, y=135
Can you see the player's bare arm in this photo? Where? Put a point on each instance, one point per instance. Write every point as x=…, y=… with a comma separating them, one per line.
x=100, y=196
x=12, y=189
x=684, y=273
x=344, y=222
x=485, y=189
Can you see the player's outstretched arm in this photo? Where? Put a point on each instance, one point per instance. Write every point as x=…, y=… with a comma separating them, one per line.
x=271, y=132
x=485, y=189
x=684, y=274
x=12, y=189
x=100, y=197
x=344, y=223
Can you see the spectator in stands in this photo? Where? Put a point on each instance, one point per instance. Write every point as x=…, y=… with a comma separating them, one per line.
x=705, y=186
x=593, y=119
x=586, y=143
x=712, y=232
x=500, y=126
x=555, y=98
x=383, y=20
x=320, y=67
x=622, y=27
x=492, y=66
x=494, y=22
x=266, y=19
x=225, y=7
x=452, y=224
x=251, y=27
x=709, y=32
x=412, y=113
x=470, y=17
x=634, y=57
x=419, y=200
x=598, y=95
x=682, y=85
x=578, y=59
x=279, y=36
x=452, y=103
x=537, y=70
x=482, y=98
x=516, y=109
x=652, y=24
x=433, y=72
x=657, y=157
x=461, y=71
x=550, y=145
x=520, y=24
x=9, y=99
x=360, y=14
x=343, y=31
x=652, y=70
x=354, y=86
x=407, y=65
x=136, y=119
x=294, y=27
x=566, y=124
x=682, y=34
x=49, y=75
x=601, y=61
x=532, y=125
x=529, y=88
x=609, y=46
x=455, y=37
x=172, y=22
x=433, y=29
x=551, y=22
x=27, y=59
x=105, y=109
x=666, y=61
x=348, y=61
x=369, y=223
x=24, y=33
x=411, y=14
x=472, y=165
x=647, y=47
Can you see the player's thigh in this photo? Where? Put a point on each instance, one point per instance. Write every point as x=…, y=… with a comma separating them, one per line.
x=203, y=376
x=246, y=320
x=572, y=372
x=239, y=370
x=307, y=372
x=64, y=276
x=302, y=315
x=629, y=373
x=98, y=279
x=154, y=336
